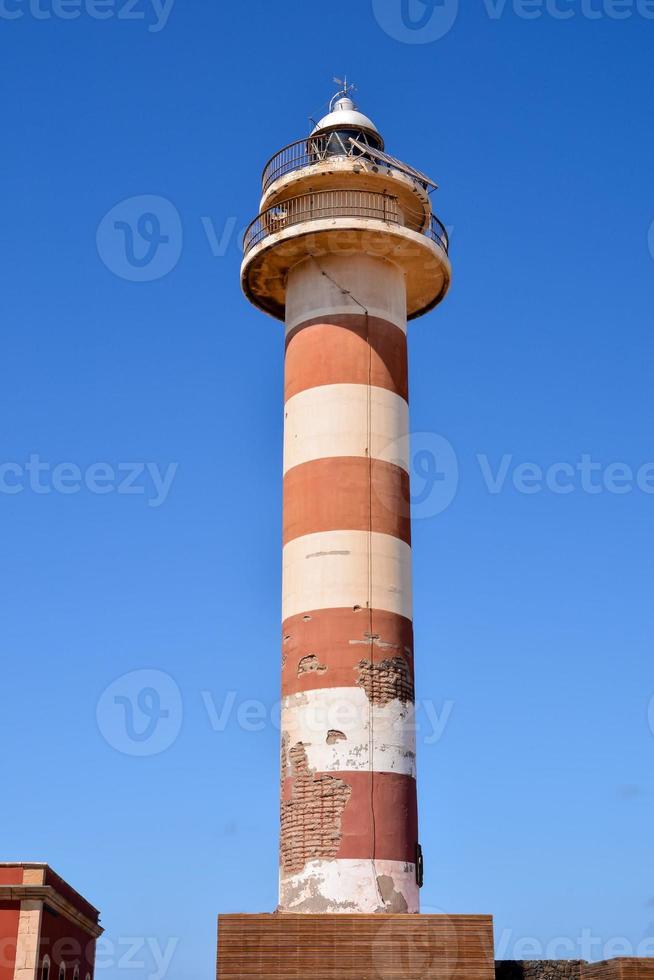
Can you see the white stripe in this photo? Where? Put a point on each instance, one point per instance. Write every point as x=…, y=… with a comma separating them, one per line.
x=344, y=569
x=333, y=284
x=345, y=885
x=340, y=310
x=333, y=420
x=356, y=726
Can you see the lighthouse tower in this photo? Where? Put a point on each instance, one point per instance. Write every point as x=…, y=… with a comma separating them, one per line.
x=345, y=250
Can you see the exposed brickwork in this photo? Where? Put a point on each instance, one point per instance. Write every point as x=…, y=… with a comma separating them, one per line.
x=310, y=665
x=311, y=818
x=387, y=680
x=538, y=969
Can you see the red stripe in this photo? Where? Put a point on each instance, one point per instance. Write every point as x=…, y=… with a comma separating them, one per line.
x=323, y=648
x=381, y=818
x=347, y=493
x=346, y=349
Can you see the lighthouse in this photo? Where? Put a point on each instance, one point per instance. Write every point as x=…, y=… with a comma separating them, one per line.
x=346, y=249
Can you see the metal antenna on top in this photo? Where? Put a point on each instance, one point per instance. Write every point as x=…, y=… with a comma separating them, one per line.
x=345, y=89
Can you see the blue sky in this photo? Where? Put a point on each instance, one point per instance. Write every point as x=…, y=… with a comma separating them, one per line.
x=533, y=610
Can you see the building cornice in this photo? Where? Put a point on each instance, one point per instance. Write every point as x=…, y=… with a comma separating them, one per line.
x=51, y=897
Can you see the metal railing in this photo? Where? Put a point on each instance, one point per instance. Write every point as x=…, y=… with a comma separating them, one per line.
x=333, y=204
x=321, y=204
x=306, y=152
x=437, y=233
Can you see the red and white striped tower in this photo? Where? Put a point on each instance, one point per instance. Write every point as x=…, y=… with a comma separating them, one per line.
x=345, y=249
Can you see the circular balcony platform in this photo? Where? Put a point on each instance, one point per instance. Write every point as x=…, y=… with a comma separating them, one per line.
x=343, y=222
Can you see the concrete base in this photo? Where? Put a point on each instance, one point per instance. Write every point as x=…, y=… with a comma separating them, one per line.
x=355, y=947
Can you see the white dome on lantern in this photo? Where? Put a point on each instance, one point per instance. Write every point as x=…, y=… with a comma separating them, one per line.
x=345, y=113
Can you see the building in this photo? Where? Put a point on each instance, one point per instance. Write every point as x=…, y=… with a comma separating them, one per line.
x=47, y=930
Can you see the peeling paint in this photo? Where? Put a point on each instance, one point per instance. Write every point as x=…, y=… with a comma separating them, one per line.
x=374, y=639
x=345, y=886
x=394, y=900
x=327, y=554
x=310, y=665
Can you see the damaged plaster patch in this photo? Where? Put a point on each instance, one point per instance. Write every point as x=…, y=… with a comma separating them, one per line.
x=306, y=896
x=333, y=737
x=376, y=640
x=311, y=819
x=387, y=681
x=310, y=665
x=394, y=901
x=327, y=554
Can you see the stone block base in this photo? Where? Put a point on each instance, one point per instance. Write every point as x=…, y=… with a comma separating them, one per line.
x=355, y=947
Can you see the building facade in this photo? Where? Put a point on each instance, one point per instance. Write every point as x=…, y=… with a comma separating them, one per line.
x=47, y=930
